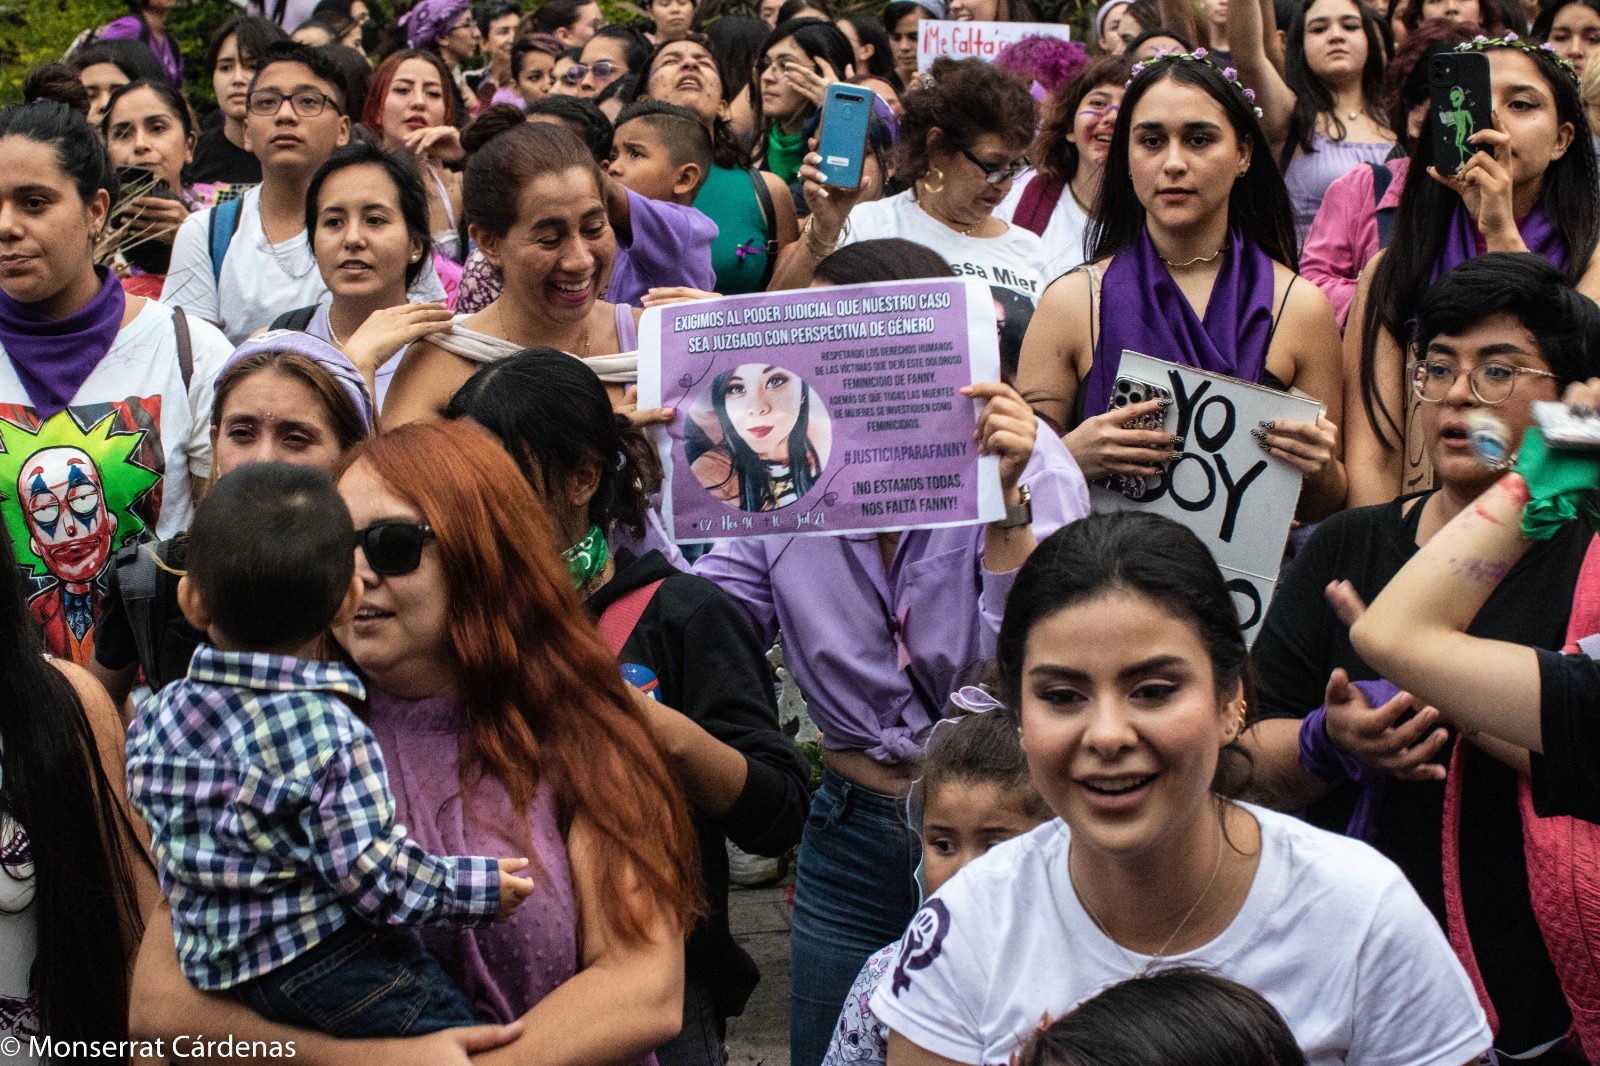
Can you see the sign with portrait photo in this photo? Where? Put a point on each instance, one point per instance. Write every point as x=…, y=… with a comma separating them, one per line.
x=1235, y=497
x=827, y=411
x=976, y=40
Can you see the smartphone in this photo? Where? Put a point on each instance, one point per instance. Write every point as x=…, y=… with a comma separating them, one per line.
x=139, y=177
x=1460, y=105
x=842, y=143
x=1567, y=429
x=1125, y=392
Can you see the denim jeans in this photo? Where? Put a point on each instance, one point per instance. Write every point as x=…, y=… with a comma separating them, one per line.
x=363, y=981
x=854, y=892
x=701, y=1042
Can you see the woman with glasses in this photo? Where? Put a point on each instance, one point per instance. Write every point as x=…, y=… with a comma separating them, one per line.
x=1192, y=260
x=1494, y=336
x=800, y=59
x=962, y=142
x=410, y=106
x=1530, y=186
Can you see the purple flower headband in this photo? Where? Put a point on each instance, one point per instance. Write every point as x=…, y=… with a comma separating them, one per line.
x=430, y=20
x=1481, y=43
x=1199, y=56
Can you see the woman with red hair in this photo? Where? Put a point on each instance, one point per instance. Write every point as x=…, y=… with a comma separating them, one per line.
x=412, y=109
x=503, y=717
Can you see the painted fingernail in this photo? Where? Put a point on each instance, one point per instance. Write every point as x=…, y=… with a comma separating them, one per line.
x=1259, y=434
x=1174, y=457
x=1582, y=410
x=1268, y=424
x=1165, y=401
x=1177, y=442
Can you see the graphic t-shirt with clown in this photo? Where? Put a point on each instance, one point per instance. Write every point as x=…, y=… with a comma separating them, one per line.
x=112, y=469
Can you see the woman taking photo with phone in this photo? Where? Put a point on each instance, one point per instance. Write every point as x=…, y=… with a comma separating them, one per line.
x=1529, y=186
x=149, y=134
x=800, y=60
x=1193, y=218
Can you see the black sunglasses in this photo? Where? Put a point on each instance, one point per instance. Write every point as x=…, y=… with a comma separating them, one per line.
x=393, y=548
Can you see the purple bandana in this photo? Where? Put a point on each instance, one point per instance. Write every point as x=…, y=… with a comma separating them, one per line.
x=430, y=20
x=1143, y=310
x=319, y=351
x=1461, y=241
x=54, y=358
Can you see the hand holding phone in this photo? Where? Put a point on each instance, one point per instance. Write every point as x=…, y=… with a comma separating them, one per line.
x=1461, y=104
x=842, y=140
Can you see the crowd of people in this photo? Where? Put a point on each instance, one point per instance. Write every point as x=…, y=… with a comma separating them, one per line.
x=357, y=704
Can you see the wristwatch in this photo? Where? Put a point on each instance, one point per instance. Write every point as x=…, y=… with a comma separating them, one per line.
x=1021, y=514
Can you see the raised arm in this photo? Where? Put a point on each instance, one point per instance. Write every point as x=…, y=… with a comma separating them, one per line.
x=1248, y=26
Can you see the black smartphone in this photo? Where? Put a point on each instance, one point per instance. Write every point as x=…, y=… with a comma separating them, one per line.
x=140, y=177
x=1460, y=104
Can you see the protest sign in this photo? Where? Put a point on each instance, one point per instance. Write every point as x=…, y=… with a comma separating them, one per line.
x=1235, y=497
x=823, y=410
x=976, y=40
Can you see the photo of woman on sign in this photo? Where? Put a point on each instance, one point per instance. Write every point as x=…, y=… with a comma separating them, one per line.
x=758, y=437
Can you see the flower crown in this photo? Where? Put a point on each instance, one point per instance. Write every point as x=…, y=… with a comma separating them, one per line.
x=1198, y=56
x=1481, y=43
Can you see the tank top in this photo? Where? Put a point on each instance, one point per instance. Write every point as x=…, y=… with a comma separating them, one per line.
x=1310, y=173
x=739, y=254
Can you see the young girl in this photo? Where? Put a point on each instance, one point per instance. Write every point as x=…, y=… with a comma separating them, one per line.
x=1531, y=187
x=753, y=463
x=410, y=106
x=1572, y=28
x=798, y=62
x=974, y=793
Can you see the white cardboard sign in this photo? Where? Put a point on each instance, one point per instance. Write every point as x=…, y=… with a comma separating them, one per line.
x=1235, y=497
x=976, y=40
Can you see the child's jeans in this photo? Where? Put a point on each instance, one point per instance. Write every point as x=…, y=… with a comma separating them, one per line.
x=363, y=981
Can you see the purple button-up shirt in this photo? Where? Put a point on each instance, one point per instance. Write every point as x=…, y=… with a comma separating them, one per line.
x=855, y=635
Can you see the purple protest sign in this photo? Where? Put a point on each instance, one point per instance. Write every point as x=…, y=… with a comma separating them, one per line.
x=832, y=410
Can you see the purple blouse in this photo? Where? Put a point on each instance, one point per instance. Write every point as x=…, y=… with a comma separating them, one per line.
x=503, y=969
x=861, y=640
x=1310, y=173
x=165, y=48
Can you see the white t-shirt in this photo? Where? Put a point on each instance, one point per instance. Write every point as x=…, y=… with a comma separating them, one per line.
x=1064, y=235
x=259, y=280
x=1331, y=934
x=1012, y=264
x=111, y=469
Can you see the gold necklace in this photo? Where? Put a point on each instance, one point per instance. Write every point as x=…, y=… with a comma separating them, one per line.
x=505, y=334
x=1192, y=262
x=1161, y=953
x=969, y=231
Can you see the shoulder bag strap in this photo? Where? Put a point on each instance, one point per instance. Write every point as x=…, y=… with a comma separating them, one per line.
x=618, y=621
x=769, y=214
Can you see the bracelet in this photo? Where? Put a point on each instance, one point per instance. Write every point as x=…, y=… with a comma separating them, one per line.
x=814, y=244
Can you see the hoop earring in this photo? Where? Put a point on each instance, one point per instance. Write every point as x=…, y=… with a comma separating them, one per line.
x=928, y=181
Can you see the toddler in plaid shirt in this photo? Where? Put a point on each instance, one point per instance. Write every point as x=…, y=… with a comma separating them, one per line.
x=269, y=807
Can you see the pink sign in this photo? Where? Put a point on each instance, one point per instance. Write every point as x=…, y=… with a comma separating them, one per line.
x=976, y=40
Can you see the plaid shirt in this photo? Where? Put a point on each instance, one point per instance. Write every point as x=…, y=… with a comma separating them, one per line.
x=272, y=820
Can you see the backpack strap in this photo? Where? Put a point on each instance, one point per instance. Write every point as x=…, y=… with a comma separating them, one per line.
x=137, y=579
x=769, y=215
x=180, y=328
x=223, y=225
x=297, y=320
x=1038, y=203
x=1381, y=177
x=618, y=621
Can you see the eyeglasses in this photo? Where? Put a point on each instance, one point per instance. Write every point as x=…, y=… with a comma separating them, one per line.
x=603, y=69
x=393, y=548
x=1491, y=383
x=307, y=103
x=997, y=173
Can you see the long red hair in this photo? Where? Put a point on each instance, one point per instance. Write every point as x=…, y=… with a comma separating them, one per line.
x=542, y=693
x=383, y=77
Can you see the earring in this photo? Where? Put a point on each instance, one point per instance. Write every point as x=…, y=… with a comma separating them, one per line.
x=934, y=175
x=1238, y=726
x=416, y=257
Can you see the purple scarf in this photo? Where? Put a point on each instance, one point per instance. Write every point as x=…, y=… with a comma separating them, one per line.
x=54, y=358
x=1143, y=310
x=1461, y=241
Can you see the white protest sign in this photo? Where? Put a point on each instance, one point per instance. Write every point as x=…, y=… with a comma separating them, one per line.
x=976, y=40
x=1234, y=496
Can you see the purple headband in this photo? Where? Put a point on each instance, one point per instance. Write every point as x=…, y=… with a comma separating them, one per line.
x=430, y=20
x=319, y=351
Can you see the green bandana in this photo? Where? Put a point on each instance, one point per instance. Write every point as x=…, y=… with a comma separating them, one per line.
x=587, y=558
x=1561, y=482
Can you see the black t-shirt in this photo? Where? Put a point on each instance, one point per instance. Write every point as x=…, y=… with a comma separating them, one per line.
x=1300, y=644
x=217, y=159
x=1566, y=778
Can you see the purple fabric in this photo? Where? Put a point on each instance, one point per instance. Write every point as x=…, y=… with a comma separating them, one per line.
x=134, y=28
x=1143, y=310
x=1463, y=241
x=319, y=351
x=855, y=635
x=1321, y=757
x=1310, y=173
x=503, y=969
x=430, y=20
x=53, y=358
x=671, y=246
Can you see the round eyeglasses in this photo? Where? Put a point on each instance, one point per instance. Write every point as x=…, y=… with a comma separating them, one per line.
x=1491, y=383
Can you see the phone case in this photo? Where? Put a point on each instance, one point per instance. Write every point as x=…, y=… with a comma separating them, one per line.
x=842, y=142
x=1564, y=429
x=1460, y=105
x=1126, y=391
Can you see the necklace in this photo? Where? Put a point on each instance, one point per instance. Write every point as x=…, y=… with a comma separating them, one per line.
x=969, y=231
x=272, y=249
x=505, y=334
x=1160, y=953
x=1191, y=262
x=333, y=334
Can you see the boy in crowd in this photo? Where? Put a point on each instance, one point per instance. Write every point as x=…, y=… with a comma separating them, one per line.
x=660, y=157
x=268, y=803
x=242, y=263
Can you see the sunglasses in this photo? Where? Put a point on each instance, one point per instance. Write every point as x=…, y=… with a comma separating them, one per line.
x=603, y=69
x=393, y=548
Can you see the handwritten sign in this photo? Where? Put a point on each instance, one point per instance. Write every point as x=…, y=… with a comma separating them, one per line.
x=1234, y=496
x=976, y=40
x=823, y=410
